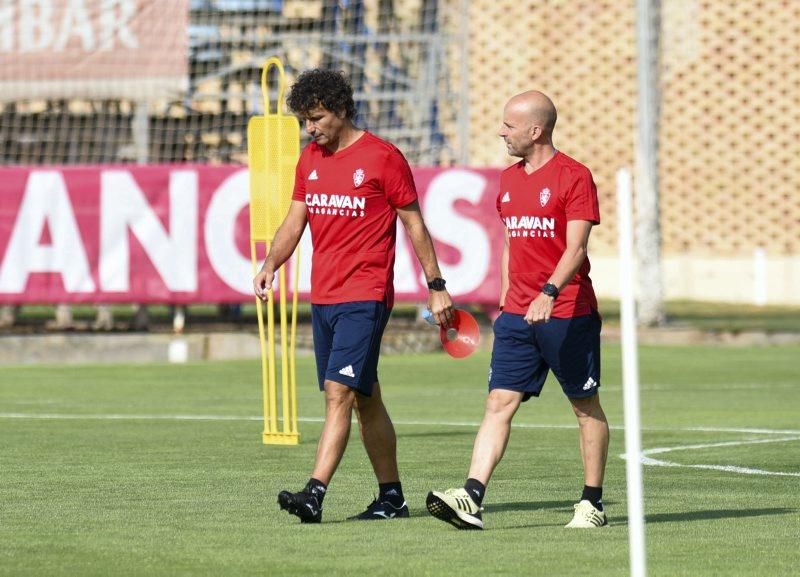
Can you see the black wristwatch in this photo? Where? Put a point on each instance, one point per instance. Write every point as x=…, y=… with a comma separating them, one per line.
x=550, y=290
x=437, y=284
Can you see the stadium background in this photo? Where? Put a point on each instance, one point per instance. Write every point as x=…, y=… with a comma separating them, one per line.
x=115, y=461
x=432, y=76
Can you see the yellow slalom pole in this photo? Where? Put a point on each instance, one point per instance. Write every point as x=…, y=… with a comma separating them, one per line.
x=293, y=343
x=271, y=374
x=265, y=393
x=273, y=149
x=285, y=393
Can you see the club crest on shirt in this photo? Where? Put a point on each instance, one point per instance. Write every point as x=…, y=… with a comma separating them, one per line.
x=358, y=177
x=544, y=196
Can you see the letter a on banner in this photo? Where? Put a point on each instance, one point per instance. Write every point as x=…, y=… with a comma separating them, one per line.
x=273, y=147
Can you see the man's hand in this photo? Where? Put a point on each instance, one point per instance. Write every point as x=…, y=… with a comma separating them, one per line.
x=441, y=305
x=263, y=283
x=540, y=309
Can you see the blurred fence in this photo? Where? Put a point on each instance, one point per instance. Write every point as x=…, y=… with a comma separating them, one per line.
x=729, y=79
x=97, y=106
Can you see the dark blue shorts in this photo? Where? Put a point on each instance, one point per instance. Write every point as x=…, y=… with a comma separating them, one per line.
x=523, y=353
x=347, y=342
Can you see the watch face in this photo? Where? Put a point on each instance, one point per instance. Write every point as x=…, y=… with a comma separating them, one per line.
x=437, y=284
x=550, y=290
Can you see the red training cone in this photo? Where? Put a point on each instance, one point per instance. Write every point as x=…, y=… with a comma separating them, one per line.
x=462, y=337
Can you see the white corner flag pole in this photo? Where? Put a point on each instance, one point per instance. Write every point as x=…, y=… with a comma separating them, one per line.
x=630, y=375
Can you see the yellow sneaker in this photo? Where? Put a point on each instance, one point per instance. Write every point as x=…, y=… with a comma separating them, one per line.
x=455, y=506
x=587, y=516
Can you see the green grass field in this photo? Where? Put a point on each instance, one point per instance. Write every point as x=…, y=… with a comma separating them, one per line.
x=160, y=470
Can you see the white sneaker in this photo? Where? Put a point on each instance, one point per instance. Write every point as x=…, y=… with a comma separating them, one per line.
x=587, y=516
x=455, y=506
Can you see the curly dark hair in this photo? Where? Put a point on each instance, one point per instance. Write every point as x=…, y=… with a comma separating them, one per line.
x=328, y=88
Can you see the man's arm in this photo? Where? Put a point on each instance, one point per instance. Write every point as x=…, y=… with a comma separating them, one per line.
x=569, y=263
x=286, y=238
x=439, y=302
x=504, y=271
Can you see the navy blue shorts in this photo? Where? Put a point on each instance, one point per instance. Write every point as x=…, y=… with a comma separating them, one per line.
x=347, y=342
x=522, y=354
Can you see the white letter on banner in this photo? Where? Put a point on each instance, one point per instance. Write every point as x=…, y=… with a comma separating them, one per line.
x=75, y=21
x=123, y=206
x=220, y=233
x=7, y=28
x=404, y=277
x=306, y=250
x=35, y=26
x=445, y=224
x=46, y=202
x=114, y=24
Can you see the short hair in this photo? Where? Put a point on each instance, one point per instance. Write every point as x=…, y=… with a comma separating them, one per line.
x=328, y=88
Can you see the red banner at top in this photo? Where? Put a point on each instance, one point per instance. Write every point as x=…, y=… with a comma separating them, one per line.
x=93, y=48
x=180, y=234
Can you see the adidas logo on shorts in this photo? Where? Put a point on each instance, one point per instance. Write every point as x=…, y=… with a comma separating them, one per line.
x=347, y=371
x=590, y=384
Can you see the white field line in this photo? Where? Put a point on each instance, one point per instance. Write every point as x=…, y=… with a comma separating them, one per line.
x=658, y=450
x=141, y=417
x=647, y=460
x=180, y=417
x=705, y=386
x=126, y=417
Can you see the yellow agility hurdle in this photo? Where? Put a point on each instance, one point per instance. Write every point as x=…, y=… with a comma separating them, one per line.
x=273, y=147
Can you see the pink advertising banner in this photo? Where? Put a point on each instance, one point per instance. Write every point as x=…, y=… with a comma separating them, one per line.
x=132, y=49
x=180, y=234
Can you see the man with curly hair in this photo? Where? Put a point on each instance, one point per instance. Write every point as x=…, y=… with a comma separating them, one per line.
x=350, y=187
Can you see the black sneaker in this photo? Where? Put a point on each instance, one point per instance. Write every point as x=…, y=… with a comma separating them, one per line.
x=382, y=510
x=302, y=504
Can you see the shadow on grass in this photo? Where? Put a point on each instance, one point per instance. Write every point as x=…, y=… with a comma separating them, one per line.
x=713, y=514
x=534, y=506
x=422, y=512
x=527, y=506
x=468, y=432
x=566, y=506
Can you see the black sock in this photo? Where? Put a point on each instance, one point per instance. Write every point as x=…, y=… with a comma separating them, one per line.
x=392, y=492
x=317, y=488
x=476, y=490
x=594, y=495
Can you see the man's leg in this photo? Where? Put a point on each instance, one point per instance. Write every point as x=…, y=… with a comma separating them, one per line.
x=492, y=438
x=378, y=436
x=380, y=442
x=462, y=507
x=307, y=504
x=594, y=452
x=339, y=402
x=593, y=438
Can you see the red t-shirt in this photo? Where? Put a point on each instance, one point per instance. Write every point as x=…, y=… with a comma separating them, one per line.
x=535, y=209
x=351, y=196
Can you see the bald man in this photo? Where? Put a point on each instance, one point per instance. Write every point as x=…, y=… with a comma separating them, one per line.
x=549, y=320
